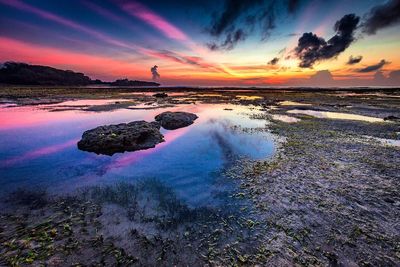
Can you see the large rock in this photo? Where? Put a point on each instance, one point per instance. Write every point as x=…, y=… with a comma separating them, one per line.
x=110, y=139
x=174, y=120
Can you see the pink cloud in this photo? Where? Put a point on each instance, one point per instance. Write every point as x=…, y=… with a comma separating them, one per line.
x=134, y=9
x=143, y=13
x=16, y=50
x=68, y=23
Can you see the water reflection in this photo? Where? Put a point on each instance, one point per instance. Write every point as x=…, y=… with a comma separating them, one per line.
x=292, y=103
x=335, y=115
x=38, y=148
x=284, y=118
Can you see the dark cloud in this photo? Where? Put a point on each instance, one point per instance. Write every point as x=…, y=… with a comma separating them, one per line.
x=354, y=60
x=293, y=5
x=312, y=48
x=154, y=72
x=374, y=67
x=382, y=16
x=282, y=51
x=232, y=11
x=273, y=61
x=239, y=18
x=230, y=40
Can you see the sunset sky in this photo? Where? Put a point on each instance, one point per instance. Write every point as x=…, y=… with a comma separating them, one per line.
x=199, y=42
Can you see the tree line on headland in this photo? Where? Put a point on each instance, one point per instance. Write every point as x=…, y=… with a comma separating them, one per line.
x=25, y=74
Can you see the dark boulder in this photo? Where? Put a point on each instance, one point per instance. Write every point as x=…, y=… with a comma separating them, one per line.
x=160, y=95
x=174, y=120
x=392, y=118
x=111, y=139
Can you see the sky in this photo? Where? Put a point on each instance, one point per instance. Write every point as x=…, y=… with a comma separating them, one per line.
x=209, y=43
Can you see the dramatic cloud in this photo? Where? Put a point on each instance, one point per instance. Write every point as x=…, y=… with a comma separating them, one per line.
x=273, y=61
x=239, y=18
x=230, y=41
x=185, y=59
x=312, y=48
x=374, y=67
x=146, y=15
x=66, y=22
x=293, y=5
x=382, y=16
x=154, y=72
x=354, y=60
x=232, y=11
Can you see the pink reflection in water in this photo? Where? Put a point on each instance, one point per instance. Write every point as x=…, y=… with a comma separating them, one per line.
x=131, y=158
x=38, y=153
x=20, y=117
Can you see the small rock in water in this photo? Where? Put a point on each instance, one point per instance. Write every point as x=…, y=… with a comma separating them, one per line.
x=174, y=120
x=111, y=139
x=392, y=118
x=160, y=95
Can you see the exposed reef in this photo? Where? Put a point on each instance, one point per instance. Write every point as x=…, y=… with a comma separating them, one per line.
x=132, y=136
x=111, y=139
x=174, y=120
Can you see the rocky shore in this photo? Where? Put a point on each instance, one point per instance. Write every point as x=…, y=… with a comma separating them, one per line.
x=329, y=197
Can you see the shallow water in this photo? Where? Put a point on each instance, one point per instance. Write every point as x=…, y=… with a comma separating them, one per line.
x=248, y=97
x=335, y=115
x=284, y=118
x=38, y=150
x=292, y=103
x=384, y=141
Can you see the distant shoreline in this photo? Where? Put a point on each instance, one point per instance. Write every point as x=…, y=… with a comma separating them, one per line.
x=209, y=88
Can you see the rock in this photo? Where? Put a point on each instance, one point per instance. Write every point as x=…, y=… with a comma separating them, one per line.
x=161, y=95
x=110, y=139
x=174, y=120
x=392, y=118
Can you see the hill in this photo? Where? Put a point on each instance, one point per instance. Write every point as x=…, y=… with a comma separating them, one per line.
x=26, y=74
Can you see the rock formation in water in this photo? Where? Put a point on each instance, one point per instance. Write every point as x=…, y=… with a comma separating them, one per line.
x=111, y=139
x=174, y=120
x=160, y=95
x=126, y=82
x=132, y=136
